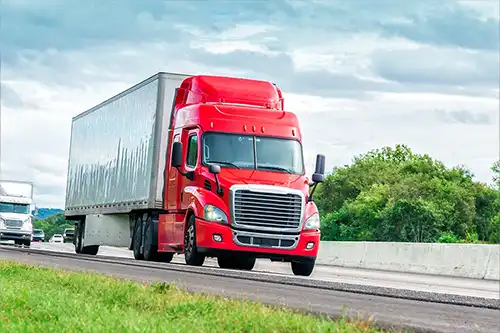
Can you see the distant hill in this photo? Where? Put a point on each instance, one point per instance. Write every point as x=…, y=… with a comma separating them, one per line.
x=43, y=213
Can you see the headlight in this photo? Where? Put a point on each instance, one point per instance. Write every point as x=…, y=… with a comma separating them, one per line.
x=2, y=224
x=27, y=225
x=214, y=214
x=312, y=223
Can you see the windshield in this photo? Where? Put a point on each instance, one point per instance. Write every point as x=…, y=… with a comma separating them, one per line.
x=250, y=152
x=7, y=207
x=37, y=231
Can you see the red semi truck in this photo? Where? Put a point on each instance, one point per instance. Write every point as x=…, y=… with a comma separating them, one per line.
x=208, y=166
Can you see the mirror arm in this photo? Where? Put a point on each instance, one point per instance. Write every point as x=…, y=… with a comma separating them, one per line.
x=311, y=196
x=189, y=175
x=218, y=187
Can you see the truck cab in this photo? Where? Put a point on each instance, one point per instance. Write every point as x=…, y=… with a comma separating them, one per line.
x=15, y=212
x=237, y=175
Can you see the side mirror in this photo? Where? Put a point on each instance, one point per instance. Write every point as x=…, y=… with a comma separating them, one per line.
x=318, y=178
x=177, y=154
x=36, y=211
x=320, y=164
x=319, y=174
x=214, y=168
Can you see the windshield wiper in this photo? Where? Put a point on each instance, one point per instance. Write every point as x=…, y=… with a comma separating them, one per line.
x=224, y=163
x=274, y=168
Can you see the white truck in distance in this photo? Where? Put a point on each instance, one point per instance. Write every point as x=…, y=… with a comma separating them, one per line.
x=16, y=200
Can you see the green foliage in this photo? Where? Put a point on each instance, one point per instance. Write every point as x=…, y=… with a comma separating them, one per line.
x=54, y=224
x=393, y=194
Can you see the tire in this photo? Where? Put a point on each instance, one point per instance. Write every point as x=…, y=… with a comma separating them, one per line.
x=27, y=243
x=150, y=250
x=302, y=268
x=90, y=250
x=137, y=239
x=191, y=254
x=78, y=238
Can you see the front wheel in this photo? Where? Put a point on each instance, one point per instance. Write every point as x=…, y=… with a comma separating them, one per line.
x=191, y=254
x=303, y=268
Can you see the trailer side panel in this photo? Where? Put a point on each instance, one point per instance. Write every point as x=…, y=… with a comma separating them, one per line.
x=111, y=153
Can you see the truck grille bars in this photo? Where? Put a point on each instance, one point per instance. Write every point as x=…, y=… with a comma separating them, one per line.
x=266, y=208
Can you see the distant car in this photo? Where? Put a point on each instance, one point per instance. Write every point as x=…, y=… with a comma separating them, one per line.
x=69, y=234
x=38, y=235
x=56, y=238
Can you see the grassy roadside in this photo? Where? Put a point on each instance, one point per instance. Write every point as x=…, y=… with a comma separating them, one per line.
x=35, y=299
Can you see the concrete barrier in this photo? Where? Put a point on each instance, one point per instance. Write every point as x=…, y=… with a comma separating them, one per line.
x=478, y=261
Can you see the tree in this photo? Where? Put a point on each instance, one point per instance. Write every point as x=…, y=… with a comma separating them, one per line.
x=495, y=168
x=393, y=194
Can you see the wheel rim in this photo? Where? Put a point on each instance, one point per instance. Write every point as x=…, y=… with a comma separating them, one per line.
x=189, y=241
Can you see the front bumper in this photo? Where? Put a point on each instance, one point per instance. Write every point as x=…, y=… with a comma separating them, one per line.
x=7, y=234
x=214, y=238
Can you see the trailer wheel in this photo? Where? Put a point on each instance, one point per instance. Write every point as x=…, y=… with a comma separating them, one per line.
x=191, y=254
x=137, y=239
x=78, y=237
x=302, y=268
x=150, y=250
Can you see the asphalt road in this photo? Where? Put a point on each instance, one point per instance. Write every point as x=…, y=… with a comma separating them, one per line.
x=403, y=281
x=386, y=311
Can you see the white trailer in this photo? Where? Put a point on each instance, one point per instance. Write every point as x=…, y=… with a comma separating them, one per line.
x=16, y=200
x=117, y=161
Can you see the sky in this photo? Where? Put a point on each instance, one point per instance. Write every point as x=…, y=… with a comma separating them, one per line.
x=360, y=74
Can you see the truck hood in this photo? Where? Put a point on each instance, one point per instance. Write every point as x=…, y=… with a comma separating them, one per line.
x=14, y=216
x=229, y=177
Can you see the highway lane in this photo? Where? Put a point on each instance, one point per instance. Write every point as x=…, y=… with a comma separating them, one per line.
x=406, y=281
x=387, y=312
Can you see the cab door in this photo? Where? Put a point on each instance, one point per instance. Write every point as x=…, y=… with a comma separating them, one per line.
x=191, y=148
x=166, y=227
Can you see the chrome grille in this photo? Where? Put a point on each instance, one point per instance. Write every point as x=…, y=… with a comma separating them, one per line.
x=13, y=224
x=267, y=210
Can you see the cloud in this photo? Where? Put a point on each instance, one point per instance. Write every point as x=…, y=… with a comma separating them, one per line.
x=358, y=74
x=432, y=65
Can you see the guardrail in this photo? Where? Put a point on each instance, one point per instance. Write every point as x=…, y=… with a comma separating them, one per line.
x=477, y=261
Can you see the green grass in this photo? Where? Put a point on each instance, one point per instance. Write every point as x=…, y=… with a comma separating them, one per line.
x=36, y=299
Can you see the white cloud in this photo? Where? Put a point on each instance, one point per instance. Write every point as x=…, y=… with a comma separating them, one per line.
x=488, y=9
